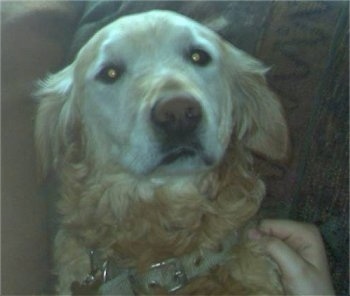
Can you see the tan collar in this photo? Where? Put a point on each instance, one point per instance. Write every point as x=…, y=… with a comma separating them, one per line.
x=171, y=274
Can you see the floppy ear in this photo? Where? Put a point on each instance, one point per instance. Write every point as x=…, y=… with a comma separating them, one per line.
x=258, y=116
x=56, y=118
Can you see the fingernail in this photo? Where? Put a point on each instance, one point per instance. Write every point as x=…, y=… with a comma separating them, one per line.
x=254, y=234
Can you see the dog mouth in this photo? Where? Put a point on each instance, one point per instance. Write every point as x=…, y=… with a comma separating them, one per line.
x=177, y=154
x=186, y=154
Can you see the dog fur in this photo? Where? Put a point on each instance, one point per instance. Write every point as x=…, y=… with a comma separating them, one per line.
x=117, y=195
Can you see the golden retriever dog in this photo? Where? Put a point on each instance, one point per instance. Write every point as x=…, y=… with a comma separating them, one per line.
x=152, y=131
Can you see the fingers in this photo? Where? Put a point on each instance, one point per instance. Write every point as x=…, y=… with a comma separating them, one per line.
x=298, y=250
x=289, y=262
x=283, y=229
x=304, y=239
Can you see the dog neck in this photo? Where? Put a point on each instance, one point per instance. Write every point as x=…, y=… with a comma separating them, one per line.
x=138, y=222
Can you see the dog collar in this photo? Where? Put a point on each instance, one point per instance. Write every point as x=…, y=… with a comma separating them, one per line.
x=172, y=274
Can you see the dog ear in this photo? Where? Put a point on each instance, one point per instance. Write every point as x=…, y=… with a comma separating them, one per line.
x=55, y=120
x=257, y=114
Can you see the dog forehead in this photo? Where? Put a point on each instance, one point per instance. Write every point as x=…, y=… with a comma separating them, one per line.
x=143, y=33
x=156, y=27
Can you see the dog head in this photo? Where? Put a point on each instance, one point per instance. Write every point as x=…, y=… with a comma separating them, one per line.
x=157, y=93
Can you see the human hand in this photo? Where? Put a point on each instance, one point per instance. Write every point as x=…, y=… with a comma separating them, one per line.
x=299, y=252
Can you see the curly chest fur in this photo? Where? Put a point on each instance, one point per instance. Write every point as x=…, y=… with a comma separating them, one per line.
x=143, y=225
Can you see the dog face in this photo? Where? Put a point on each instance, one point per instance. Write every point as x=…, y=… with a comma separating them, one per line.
x=157, y=93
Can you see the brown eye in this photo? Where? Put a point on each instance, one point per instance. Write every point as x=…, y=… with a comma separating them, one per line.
x=199, y=57
x=110, y=74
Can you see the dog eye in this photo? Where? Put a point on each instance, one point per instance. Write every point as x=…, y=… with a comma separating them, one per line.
x=199, y=57
x=110, y=74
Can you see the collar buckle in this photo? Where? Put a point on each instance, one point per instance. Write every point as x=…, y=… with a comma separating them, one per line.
x=169, y=274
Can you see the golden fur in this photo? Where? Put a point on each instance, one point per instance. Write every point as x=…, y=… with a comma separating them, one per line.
x=114, y=200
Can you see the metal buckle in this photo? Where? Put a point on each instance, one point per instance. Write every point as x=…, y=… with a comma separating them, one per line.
x=169, y=274
x=97, y=276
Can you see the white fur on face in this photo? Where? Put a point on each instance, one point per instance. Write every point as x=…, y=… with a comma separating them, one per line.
x=106, y=99
x=152, y=53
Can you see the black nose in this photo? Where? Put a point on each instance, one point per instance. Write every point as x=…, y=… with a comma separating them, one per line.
x=177, y=117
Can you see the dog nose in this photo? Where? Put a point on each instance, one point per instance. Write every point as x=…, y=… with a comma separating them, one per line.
x=178, y=116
